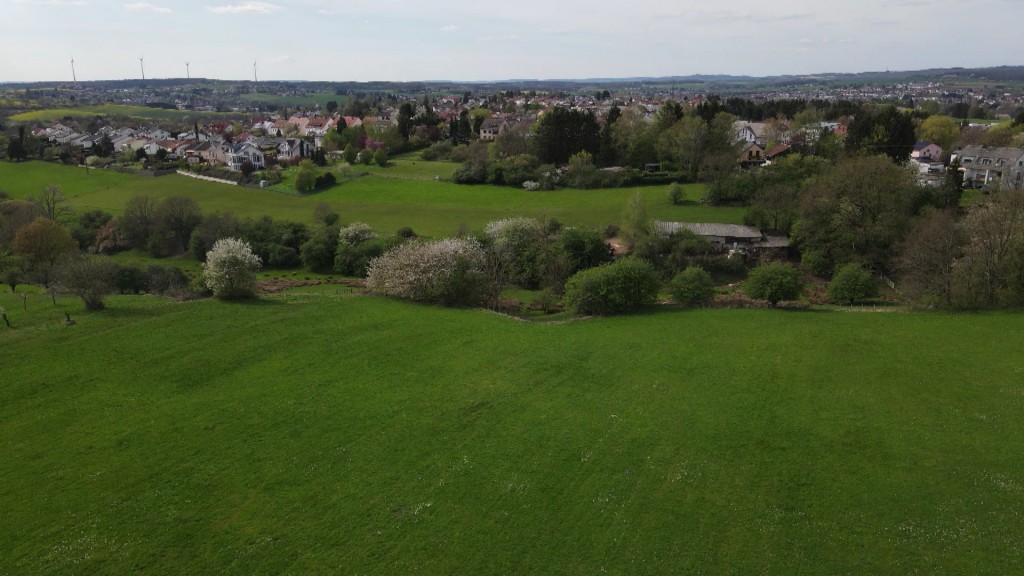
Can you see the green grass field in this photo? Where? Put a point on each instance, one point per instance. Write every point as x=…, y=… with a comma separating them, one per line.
x=141, y=112
x=352, y=435
x=387, y=199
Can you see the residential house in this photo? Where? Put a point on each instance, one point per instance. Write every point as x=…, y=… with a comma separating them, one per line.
x=206, y=151
x=760, y=133
x=751, y=155
x=491, y=127
x=318, y=126
x=294, y=148
x=926, y=152
x=996, y=167
x=242, y=152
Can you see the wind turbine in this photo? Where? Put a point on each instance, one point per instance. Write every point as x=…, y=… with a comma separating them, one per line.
x=255, y=79
x=74, y=78
x=188, y=76
x=142, y=68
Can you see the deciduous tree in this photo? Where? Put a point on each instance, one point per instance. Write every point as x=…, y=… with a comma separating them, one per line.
x=43, y=243
x=775, y=282
x=230, y=269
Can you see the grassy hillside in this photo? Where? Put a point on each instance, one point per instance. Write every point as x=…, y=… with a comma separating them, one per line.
x=353, y=435
x=387, y=199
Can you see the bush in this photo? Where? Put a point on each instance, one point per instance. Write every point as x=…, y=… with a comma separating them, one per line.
x=230, y=269
x=692, y=287
x=852, y=284
x=319, y=250
x=305, y=180
x=622, y=286
x=167, y=280
x=325, y=180
x=775, y=282
x=583, y=249
x=449, y=272
x=676, y=194
x=354, y=259
x=131, y=280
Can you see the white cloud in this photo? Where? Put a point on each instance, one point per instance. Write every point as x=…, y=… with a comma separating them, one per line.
x=450, y=28
x=279, y=59
x=145, y=7
x=250, y=7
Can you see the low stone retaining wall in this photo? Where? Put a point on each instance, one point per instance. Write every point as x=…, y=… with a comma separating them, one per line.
x=207, y=178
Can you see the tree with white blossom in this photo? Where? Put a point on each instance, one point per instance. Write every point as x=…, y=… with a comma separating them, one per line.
x=230, y=269
x=449, y=272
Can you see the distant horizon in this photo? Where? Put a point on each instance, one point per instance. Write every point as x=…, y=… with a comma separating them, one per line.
x=600, y=79
x=490, y=40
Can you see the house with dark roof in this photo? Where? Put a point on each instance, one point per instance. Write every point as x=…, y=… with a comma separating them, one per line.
x=491, y=127
x=999, y=168
x=245, y=151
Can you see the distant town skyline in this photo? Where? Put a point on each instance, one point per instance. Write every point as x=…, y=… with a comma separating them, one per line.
x=401, y=40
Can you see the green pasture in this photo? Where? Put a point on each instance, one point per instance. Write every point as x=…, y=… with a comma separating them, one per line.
x=342, y=434
x=387, y=199
x=121, y=110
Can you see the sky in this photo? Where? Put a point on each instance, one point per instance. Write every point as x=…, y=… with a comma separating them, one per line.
x=408, y=40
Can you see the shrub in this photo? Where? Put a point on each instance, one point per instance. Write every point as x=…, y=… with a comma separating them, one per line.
x=319, y=250
x=692, y=287
x=775, y=282
x=230, y=269
x=167, y=280
x=131, y=280
x=405, y=232
x=852, y=284
x=675, y=194
x=583, y=249
x=325, y=180
x=305, y=180
x=449, y=272
x=622, y=286
x=354, y=259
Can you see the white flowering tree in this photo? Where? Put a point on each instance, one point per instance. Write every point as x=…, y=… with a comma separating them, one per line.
x=449, y=271
x=230, y=269
x=355, y=233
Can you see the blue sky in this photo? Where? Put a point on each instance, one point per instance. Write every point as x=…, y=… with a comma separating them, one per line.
x=492, y=40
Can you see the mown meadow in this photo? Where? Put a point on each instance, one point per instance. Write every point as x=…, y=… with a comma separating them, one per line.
x=387, y=199
x=332, y=433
